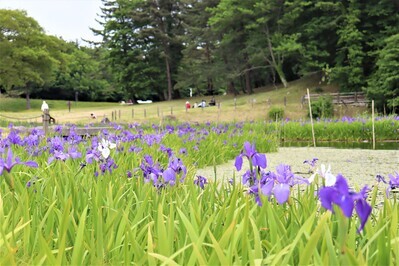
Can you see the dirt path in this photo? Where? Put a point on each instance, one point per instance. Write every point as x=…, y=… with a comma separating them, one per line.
x=359, y=166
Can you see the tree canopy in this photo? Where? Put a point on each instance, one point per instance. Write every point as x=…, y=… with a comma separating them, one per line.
x=160, y=49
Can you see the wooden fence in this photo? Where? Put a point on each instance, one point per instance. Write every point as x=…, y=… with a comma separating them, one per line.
x=345, y=98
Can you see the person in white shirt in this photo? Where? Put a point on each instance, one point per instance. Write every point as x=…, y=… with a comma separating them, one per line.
x=44, y=106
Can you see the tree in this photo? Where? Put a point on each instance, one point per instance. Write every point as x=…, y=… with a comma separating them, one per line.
x=384, y=83
x=228, y=21
x=198, y=65
x=348, y=70
x=83, y=75
x=28, y=55
x=140, y=35
x=315, y=25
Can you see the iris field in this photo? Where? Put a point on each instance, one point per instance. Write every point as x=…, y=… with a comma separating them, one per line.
x=130, y=196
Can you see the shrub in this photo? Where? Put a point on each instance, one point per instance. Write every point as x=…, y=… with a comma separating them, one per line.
x=322, y=108
x=276, y=113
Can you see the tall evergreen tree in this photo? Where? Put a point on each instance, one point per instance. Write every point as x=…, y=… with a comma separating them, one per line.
x=140, y=35
x=228, y=20
x=348, y=70
x=198, y=68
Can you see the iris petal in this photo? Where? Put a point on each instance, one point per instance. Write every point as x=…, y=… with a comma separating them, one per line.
x=260, y=160
x=268, y=187
x=347, y=205
x=363, y=210
x=326, y=196
x=249, y=150
x=281, y=192
x=238, y=162
x=169, y=176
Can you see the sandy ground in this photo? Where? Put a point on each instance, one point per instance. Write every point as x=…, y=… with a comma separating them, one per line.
x=359, y=166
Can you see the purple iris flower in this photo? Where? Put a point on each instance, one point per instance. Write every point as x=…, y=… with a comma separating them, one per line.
x=108, y=165
x=347, y=200
x=74, y=153
x=392, y=184
x=201, y=181
x=255, y=191
x=167, y=150
x=249, y=177
x=178, y=167
x=151, y=171
x=8, y=163
x=279, y=183
x=169, y=176
x=129, y=174
x=312, y=162
x=253, y=156
x=14, y=138
x=58, y=155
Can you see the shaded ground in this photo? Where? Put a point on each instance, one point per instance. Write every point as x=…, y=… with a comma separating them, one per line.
x=359, y=166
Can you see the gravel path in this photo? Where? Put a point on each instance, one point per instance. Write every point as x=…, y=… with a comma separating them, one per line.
x=359, y=166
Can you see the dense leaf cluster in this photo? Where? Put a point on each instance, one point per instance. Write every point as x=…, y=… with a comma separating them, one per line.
x=161, y=49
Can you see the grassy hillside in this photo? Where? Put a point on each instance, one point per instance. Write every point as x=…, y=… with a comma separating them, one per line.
x=242, y=107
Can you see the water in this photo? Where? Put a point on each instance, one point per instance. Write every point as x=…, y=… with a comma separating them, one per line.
x=394, y=145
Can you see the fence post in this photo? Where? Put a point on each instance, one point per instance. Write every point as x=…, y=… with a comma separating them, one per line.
x=311, y=119
x=285, y=101
x=218, y=111
x=112, y=116
x=46, y=120
x=235, y=103
x=158, y=111
x=132, y=113
x=115, y=115
x=119, y=114
x=372, y=117
x=171, y=110
x=145, y=112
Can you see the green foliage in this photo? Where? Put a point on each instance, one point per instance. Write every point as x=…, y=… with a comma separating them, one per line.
x=143, y=45
x=384, y=84
x=159, y=49
x=276, y=113
x=340, y=130
x=322, y=107
x=18, y=105
x=77, y=219
x=348, y=71
x=27, y=53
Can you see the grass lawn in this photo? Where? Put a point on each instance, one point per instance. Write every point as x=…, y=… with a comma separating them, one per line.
x=232, y=108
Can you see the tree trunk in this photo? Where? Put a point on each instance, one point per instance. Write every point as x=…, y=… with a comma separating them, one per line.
x=281, y=75
x=27, y=101
x=248, y=82
x=209, y=79
x=210, y=86
x=276, y=64
x=231, y=88
x=169, y=77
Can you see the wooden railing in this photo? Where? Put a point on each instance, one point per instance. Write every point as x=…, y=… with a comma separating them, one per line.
x=346, y=98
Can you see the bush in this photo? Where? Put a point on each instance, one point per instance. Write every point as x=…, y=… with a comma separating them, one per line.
x=322, y=108
x=276, y=113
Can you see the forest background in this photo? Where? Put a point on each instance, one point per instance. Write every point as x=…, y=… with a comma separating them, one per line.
x=162, y=50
